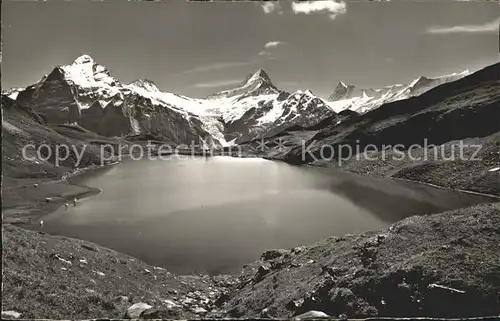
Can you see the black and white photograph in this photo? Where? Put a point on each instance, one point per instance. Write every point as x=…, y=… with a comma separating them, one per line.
x=242, y=160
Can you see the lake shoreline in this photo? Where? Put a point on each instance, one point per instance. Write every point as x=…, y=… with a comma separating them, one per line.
x=45, y=197
x=38, y=208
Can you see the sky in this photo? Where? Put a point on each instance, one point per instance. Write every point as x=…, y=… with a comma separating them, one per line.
x=199, y=48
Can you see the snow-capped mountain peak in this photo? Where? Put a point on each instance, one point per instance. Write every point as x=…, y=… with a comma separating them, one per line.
x=258, y=76
x=85, y=72
x=83, y=59
x=258, y=83
x=363, y=100
x=145, y=84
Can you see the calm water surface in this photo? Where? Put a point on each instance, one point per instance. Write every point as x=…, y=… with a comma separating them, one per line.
x=215, y=214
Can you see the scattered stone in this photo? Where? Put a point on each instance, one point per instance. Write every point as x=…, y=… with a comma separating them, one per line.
x=135, y=310
x=273, y=254
x=433, y=286
x=261, y=272
x=223, y=298
x=10, y=314
x=84, y=261
x=90, y=248
x=122, y=299
x=311, y=315
x=162, y=314
x=56, y=256
x=90, y=291
x=342, y=297
x=295, y=304
x=170, y=304
x=147, y=271
x=99, y=273
x=298, y=249
x=187, y=301
x=199, y=310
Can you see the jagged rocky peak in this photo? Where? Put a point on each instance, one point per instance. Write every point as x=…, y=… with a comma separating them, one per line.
x=258, y=79
x=343, y=91
x=259, y=75
x=258, y=83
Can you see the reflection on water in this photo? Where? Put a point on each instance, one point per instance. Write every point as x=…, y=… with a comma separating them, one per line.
x=214, y=215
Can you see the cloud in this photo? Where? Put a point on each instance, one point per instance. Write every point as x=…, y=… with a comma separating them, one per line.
x=219, y=83
x=269, y=46
x=333, y=8
x=215, y=66
x=271, y=6
x=480, y=28
x=272, y=44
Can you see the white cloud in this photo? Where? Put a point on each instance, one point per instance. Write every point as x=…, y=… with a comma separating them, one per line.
x=271, y=6
x=268, y=47
x=272, y=44
x=481, y=28
x=333, y=8
x=220, y=83
x=215, y=66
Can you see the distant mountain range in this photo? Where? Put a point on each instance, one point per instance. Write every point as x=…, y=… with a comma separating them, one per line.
x=362, y=100
x=85, y=93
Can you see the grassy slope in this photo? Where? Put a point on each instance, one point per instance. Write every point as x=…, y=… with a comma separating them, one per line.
x=473, y=175
x=385, y=273
x=39, y=285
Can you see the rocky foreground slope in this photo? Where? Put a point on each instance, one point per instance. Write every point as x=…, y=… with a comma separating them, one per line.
x=51, y=277
x=443, y=265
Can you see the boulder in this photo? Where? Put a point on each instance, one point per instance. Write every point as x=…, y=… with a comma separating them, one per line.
x=273, y=254
x=135, y=310
x=261, y=272
x=10, y=314
x=311, y=315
